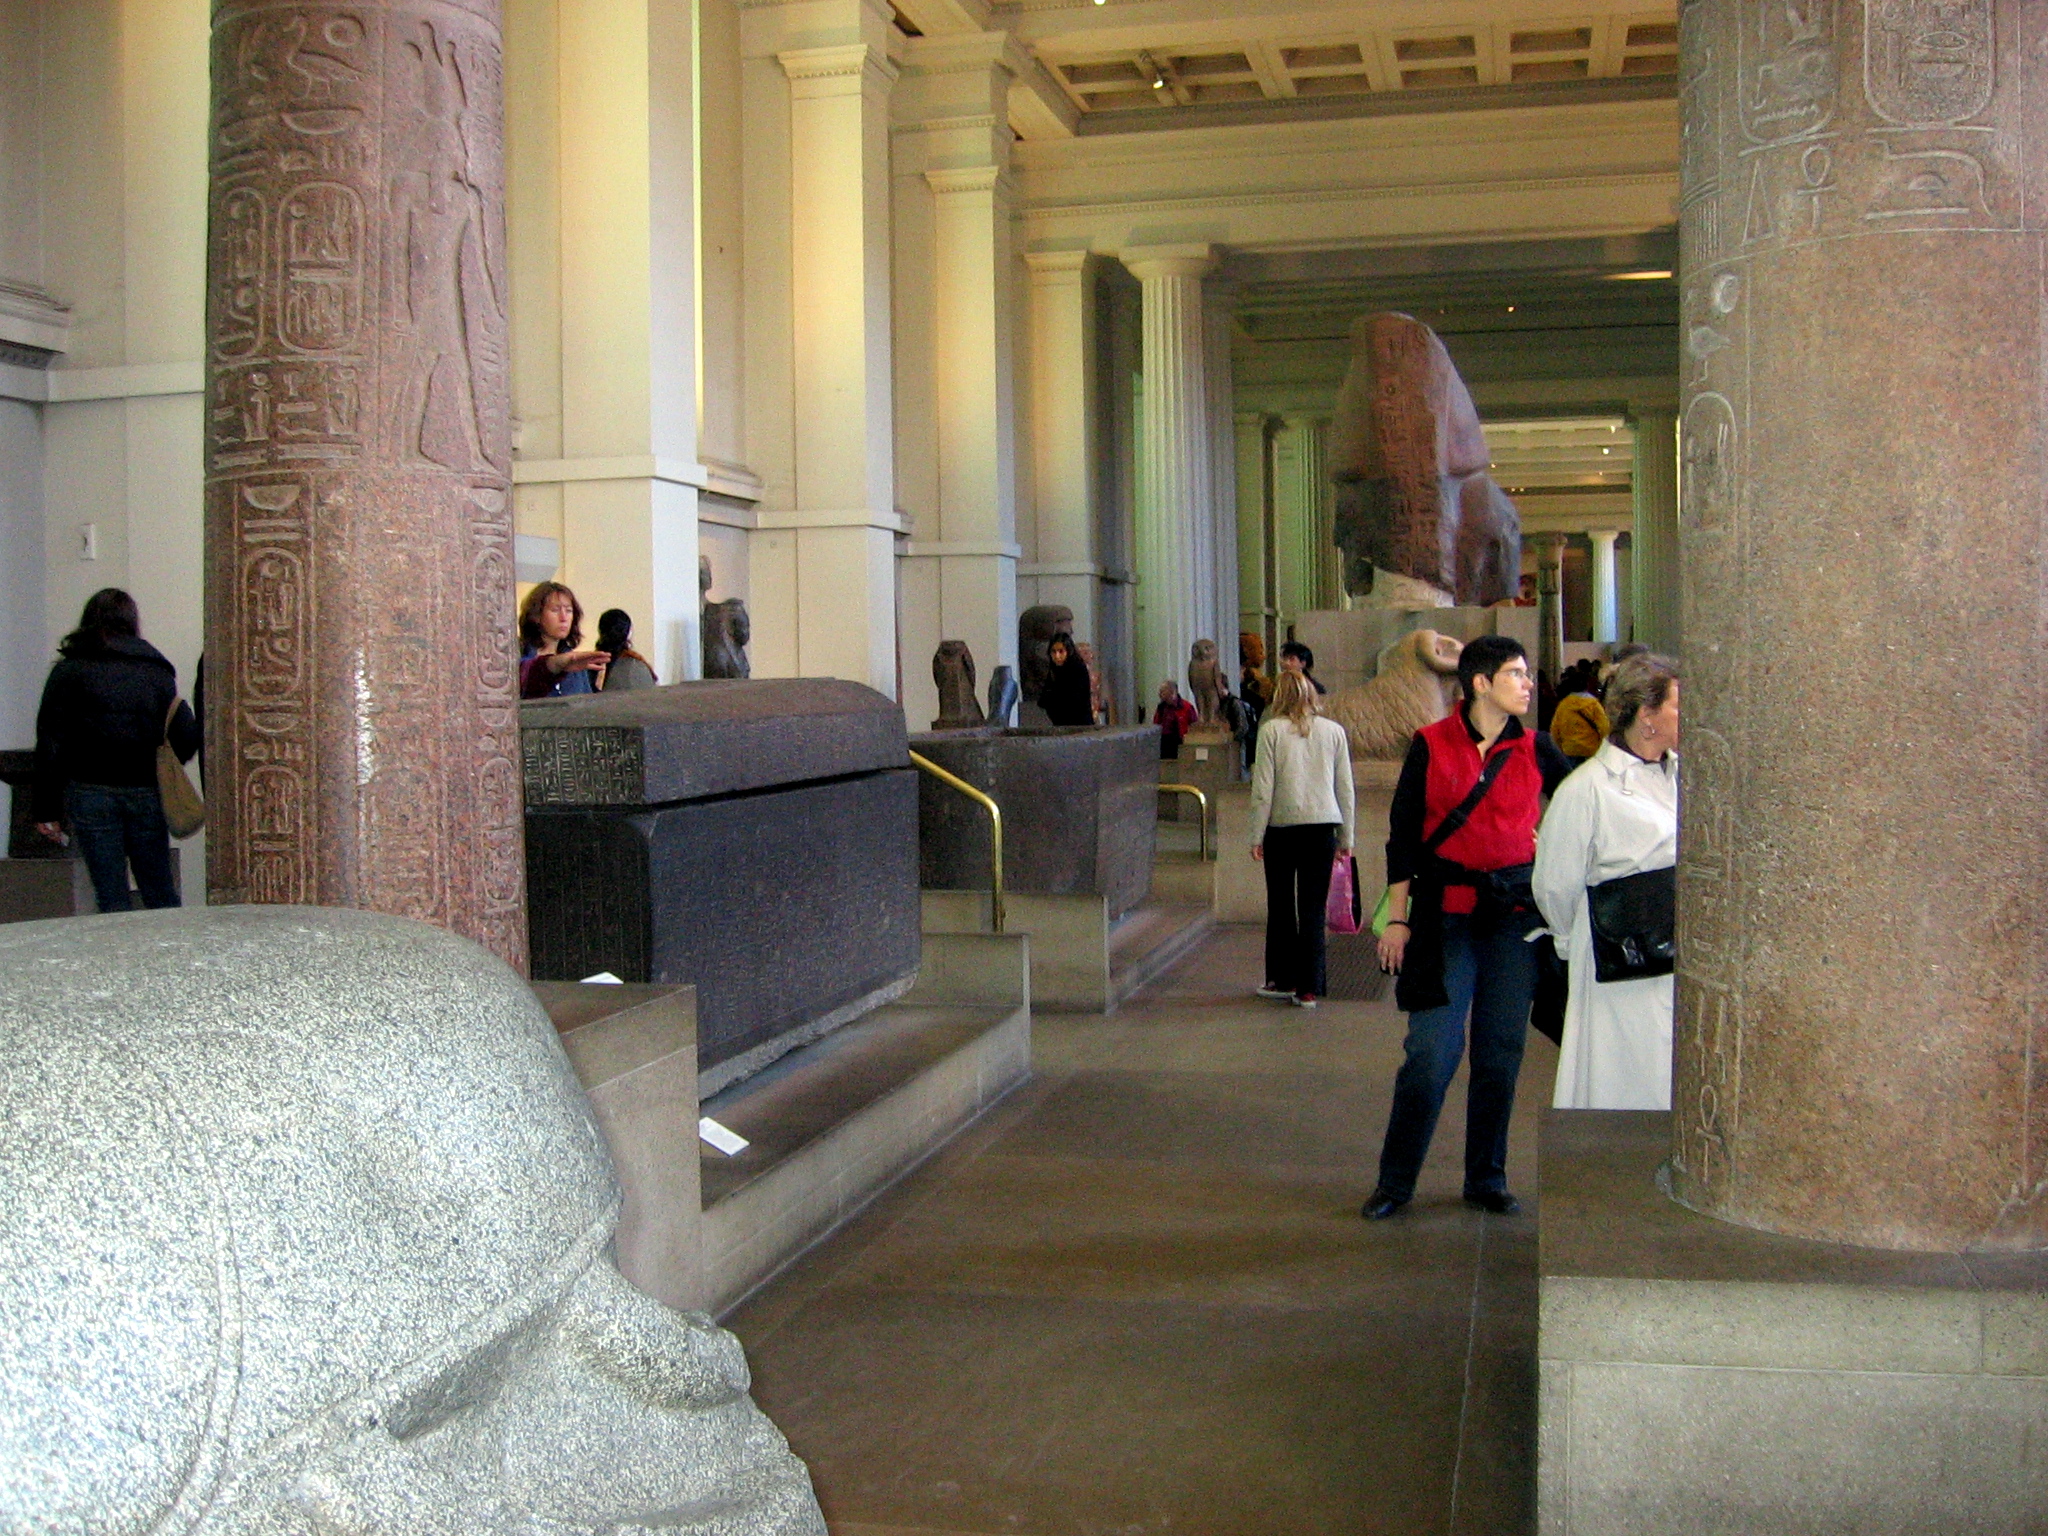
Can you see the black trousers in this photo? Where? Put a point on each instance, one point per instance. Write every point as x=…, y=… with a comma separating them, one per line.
x=1298, y=863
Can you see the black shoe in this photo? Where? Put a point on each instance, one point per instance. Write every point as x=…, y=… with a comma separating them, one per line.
x=1497, y=1202
x=1381, y=1206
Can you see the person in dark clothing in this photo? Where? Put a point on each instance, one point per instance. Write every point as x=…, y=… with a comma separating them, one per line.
x=550, y=630
x=111, y=700
x=628, y=669
x=1460, y=911
x=1068, y=697
x=1300, y=660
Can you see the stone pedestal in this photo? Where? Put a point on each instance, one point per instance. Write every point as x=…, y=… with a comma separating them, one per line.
x=1862, y=1006
x=362, y=739
x=1701, y=1379
x=1077, y=812
x=756, y=839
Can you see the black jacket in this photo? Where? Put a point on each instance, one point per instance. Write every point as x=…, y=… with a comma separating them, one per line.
x=101, y=719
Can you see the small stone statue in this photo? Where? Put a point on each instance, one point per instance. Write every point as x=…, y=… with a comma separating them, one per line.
x=724, y=629
x=1002, y=695
x=1206, y=681
x=953, y=671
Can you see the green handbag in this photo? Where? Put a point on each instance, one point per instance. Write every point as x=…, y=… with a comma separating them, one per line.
x=1379, y=913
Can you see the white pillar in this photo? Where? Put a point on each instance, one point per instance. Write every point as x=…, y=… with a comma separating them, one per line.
x=824, y=568
x=1066, y=560
x=603, y=255
x=1176, y=554
x=958, y=271
x=1254, y=554
x=1605, y=617
x=1223, y=473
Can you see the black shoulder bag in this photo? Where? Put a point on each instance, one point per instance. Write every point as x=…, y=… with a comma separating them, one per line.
x=1635, y=925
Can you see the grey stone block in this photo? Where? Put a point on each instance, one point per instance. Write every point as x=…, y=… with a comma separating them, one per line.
x=1078, y=812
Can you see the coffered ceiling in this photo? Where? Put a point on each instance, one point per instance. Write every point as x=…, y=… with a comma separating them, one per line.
x=1128, y=65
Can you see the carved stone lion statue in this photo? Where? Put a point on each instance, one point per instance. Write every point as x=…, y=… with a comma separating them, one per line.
x=1206, y=681
x=305, y=1227
x=1416, y=685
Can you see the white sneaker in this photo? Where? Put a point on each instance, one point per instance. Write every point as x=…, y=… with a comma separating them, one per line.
x=1280, y=994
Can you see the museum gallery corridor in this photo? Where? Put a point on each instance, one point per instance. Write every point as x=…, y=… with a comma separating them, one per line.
x=1137, y=1297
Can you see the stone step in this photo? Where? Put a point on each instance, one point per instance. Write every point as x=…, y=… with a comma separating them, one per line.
x=1146, y=943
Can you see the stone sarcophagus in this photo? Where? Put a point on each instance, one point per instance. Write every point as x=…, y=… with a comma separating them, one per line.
x=756, y=839
x=1078, y=811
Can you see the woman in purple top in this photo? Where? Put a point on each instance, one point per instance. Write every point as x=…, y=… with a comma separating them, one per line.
x=550, y=630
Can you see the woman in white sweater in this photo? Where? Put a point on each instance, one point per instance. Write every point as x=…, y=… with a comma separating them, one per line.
x=1302, y=817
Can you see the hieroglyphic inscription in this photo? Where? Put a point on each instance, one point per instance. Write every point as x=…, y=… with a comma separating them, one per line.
x=1788, y=74
x=1929, y=61
x=583, y=767
x=359, y=528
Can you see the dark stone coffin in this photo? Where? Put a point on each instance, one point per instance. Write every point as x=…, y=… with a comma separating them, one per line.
x=1079, y=811
x=753, y=838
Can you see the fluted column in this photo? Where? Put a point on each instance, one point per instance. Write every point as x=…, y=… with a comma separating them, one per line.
x=363, y=741
x=1065, y=560
x=1862, y=996
x=1176, y=516
x=1654, y=541
x=1223, y=472
x=1550, y=603
x=1605, y=598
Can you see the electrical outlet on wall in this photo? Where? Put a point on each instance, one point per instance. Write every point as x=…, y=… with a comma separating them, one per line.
x=88, y=541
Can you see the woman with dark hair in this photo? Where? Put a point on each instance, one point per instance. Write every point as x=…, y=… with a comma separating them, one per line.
x=1069, y=696
x=628, y=669
x=1616, y=820
x=550, y=629
x=110, y=702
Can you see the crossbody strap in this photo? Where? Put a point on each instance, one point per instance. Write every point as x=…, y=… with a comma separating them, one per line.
x=1461, y=813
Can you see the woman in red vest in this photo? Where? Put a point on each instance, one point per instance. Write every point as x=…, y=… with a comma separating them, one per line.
x=1460, y=844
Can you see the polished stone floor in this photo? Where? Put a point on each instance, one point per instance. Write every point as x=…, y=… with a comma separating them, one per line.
x=1137, y=1298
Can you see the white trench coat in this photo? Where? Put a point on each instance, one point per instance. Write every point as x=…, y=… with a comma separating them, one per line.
x=1616, y=815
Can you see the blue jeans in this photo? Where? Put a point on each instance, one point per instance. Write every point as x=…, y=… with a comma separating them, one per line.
x=1492, y=975
x=116, y=826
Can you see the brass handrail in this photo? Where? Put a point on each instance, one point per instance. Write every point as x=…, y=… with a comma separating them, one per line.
x=995, y=832
x=1201, y=806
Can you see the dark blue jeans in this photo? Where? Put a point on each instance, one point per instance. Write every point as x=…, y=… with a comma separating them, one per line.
x=1490, y=974
x=116, y=826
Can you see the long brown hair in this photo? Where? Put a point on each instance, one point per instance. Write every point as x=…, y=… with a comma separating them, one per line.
x=1294, y=700
x=530, y=612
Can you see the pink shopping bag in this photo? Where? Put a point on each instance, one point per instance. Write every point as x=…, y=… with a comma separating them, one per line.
x=1342, y=912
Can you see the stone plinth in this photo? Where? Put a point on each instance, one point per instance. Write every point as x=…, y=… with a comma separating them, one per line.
x=1861, y=1002
x=1701, y=1379
x=1077, y=811
x=362, y=740
x=756, y=839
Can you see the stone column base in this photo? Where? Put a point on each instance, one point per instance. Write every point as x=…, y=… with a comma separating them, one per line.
x=1703, y=1379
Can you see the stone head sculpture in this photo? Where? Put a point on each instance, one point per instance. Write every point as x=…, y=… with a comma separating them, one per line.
x=953, y=671
x=726, y=633
x=1205, y=680
x=1409, y=460
x=305, y=1229
x=1035, y=629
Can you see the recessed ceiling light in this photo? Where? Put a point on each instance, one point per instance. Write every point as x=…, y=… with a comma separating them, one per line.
x=1635, y=277
x=1511, y=309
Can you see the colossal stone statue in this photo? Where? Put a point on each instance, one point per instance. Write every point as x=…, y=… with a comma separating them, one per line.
x=305, y=1227
x=1415, y=685
x=953, y=671
x=363, y=735
x=1035, y=629
x=1409, y=459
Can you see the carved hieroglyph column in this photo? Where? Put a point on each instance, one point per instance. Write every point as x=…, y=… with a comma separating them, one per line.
x=363, y=735
x=1860, y=1025
x=1549, y=603
x=1653, y=542
x=1176, y=516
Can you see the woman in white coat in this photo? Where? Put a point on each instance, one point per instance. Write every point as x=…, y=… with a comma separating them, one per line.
x=1616, y=815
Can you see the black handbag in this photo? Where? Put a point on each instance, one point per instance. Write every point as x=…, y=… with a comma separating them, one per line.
x=1635, y=925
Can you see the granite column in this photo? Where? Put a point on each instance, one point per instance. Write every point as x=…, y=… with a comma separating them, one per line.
x=1860, y=1015
x=363, y=734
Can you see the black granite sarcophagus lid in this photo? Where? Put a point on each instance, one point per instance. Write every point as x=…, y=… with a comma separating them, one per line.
x=690, y=741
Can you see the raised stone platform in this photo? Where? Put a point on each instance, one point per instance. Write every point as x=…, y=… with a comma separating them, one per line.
x=1082, y=960
x=1703, y=1379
